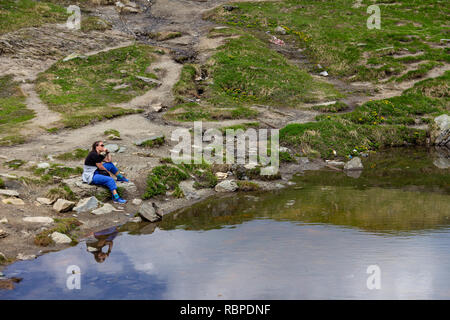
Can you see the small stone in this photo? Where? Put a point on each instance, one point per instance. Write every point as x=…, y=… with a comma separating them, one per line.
x=280, y=30
x=9, y=193
x=3, y=234
x=43, y=165
x=60, y=238
x=107, y=208
x=148, y=212
x=86, y=204
x=45, y=201
x=14, y=201
x=324, y=74
x=4, y=220
x=62, y=205
x=354, y=164
x=221, y=175
x=157, y=107
x=149, y=80
x=137, y=202
x=45, y=220
x=136, y=219
x=121, y=86
x=74, y=56
x=226, y=186
x=22, y=256
x=92, y=249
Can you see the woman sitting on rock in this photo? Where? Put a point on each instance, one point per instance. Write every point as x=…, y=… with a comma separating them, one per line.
x=99, y=170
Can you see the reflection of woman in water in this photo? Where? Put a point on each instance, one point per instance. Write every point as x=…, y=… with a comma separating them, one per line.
x=104, y=237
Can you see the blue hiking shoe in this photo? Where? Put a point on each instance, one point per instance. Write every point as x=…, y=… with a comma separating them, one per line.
x=119, y=200
x=122, y=178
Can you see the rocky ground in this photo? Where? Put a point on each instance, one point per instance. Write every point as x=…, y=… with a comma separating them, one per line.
x=27, y=210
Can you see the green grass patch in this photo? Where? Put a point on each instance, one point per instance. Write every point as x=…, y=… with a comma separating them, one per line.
x=77, y=154
x=56, y=172
x=15, y=164
x=339, y=106
x=113, y=132
x=27, y=13
x=167, y=177
x=163, y=178
x=94, y=23
x=63, y=225
x=151, y=143
x=84, y=90
x=245, y=71
x=242, y=126
x=248, y=186
x=319, y=139
x=2, y=183
x=418, y=73
x=105, y=195
x=13, y=111
x=61, y=192
x=285, y=157
x=375, y=124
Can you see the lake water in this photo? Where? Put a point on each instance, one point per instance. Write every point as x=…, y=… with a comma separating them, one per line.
x=314, y=240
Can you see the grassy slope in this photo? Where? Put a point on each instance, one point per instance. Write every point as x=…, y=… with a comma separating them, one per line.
x=83, y=89
x=375, y=124
x=27, y=13
x=335, y=35
x=245, y=71
x=13, y=111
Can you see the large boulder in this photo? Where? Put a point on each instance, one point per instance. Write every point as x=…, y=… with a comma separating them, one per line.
x=441, y=135
x=354, y=164
x=148, y=211
x=87, y=190
x=86, y=204
x=226, y=186
x=63, y=205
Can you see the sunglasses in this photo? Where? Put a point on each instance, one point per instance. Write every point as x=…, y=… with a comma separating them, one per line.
x=101, y=145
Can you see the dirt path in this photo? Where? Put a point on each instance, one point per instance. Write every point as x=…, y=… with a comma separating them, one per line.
x=44, y=116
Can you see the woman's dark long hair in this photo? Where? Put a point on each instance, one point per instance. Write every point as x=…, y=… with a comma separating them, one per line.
x=95, y=144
